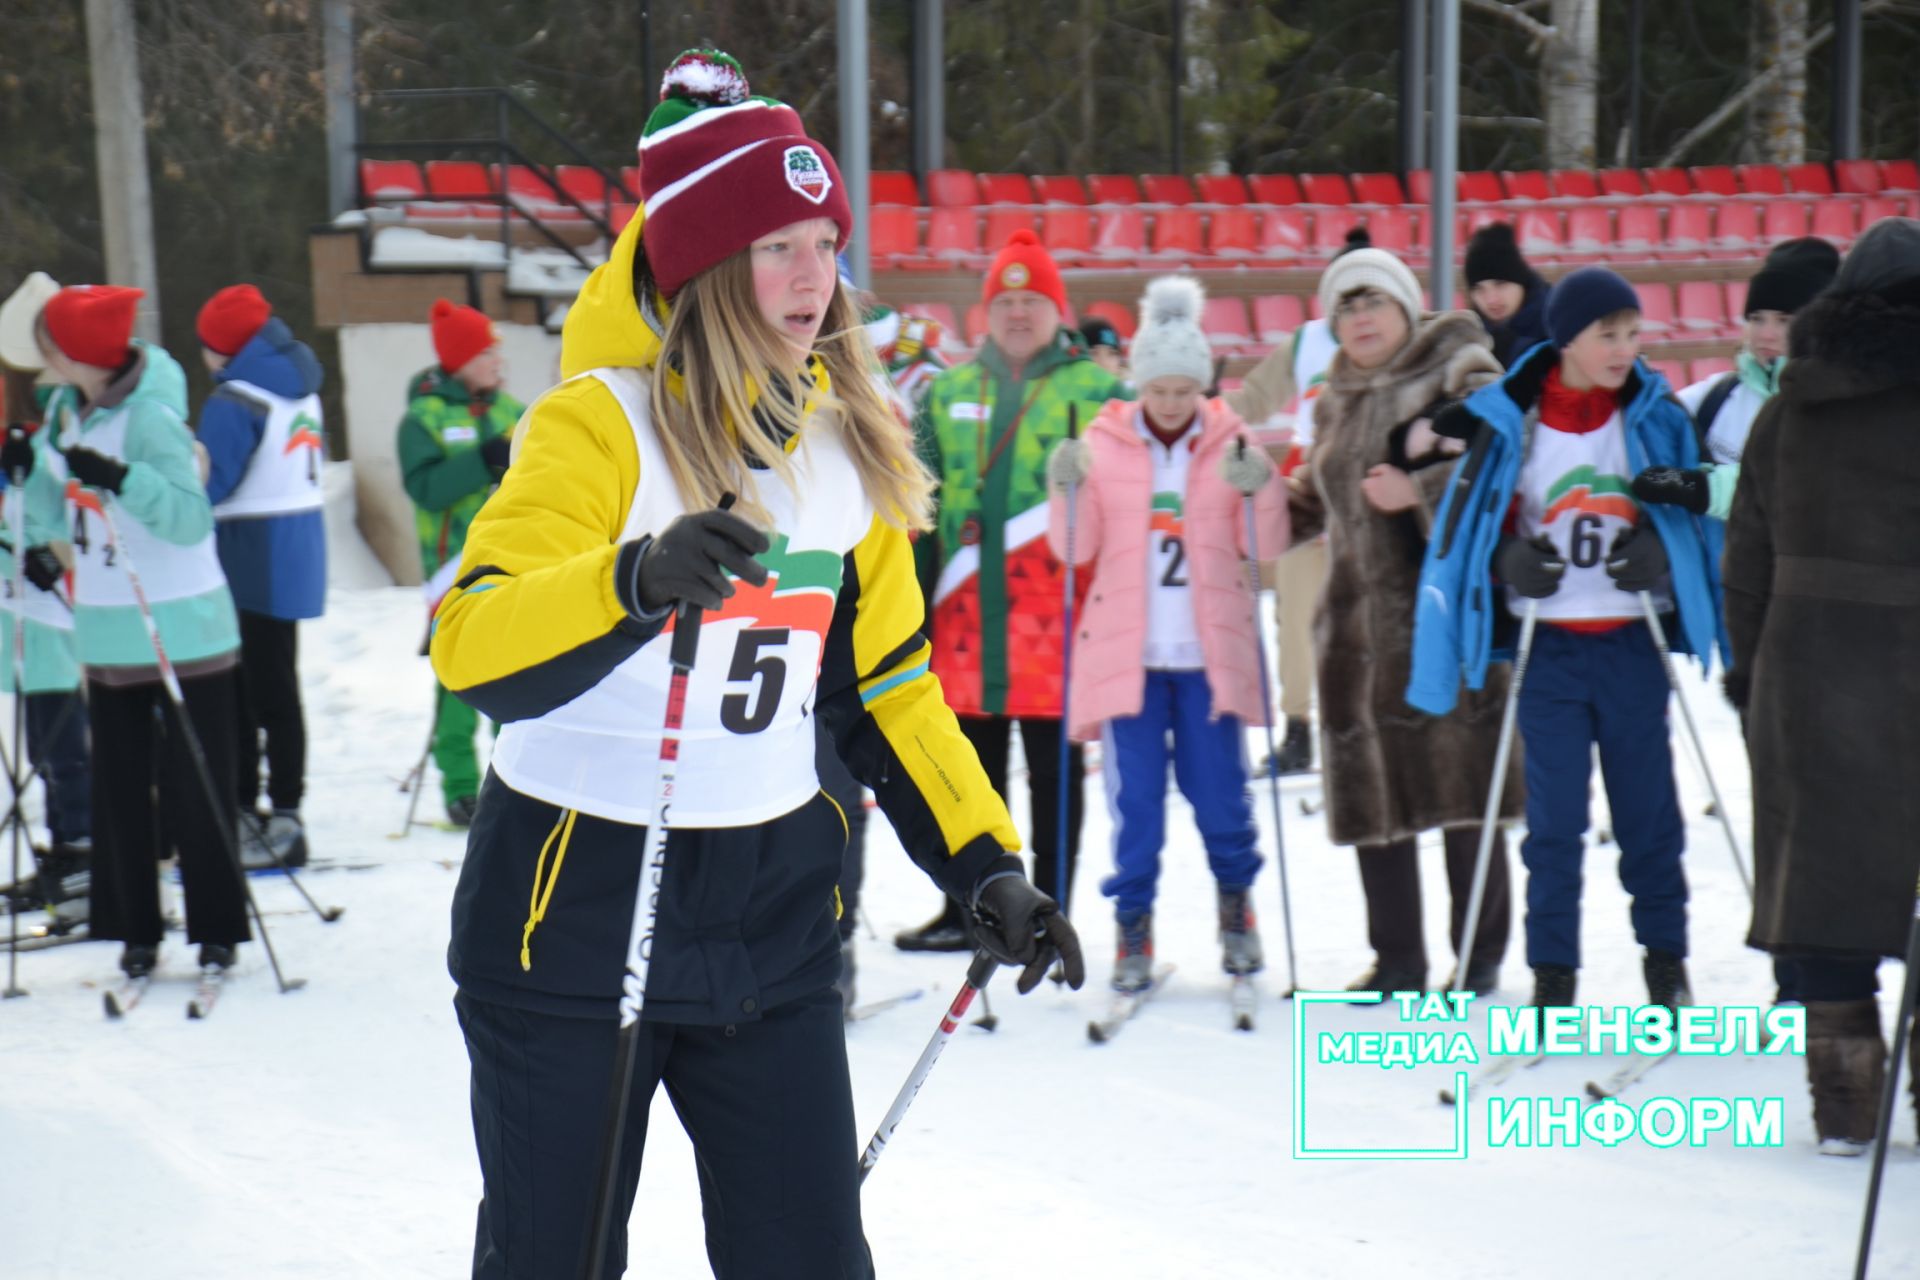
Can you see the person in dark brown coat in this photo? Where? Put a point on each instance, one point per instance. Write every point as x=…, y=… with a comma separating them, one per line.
x=1393, y=772
x=1822, y=578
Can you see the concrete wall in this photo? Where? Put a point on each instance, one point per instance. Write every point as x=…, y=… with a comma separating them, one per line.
x=378, y=363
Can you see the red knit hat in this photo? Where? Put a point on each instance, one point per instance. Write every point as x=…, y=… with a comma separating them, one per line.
x=720, y=169
x=1025, y=264
x=459, y=334
x=92, y=323
x=230, y=319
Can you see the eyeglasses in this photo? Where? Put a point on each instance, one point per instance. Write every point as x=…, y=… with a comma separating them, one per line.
x=1361, y=304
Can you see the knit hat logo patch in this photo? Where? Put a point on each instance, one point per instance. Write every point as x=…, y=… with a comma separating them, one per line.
x=806, y=175
x=1015, y=276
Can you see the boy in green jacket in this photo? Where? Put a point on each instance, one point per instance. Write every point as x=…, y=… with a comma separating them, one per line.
x=454, y=446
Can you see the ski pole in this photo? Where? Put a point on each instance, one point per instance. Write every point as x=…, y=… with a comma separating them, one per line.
x=1062, y=827
x=1490, y=822
x=1693, y=732
x=1890, y=1091
x=977, y=975
x=327, y=914
x=1273, y=762
x=90, y=500
x=16, y=503
x=646, y=914
x=417, y=780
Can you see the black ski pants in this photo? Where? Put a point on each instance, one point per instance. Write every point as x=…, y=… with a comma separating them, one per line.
x=269, y=701
x=139, y=752
x=992, y=738
x=767, y=1104
x=844, y=790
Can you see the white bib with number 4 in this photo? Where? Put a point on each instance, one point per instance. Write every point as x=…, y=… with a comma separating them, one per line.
x=747, y=737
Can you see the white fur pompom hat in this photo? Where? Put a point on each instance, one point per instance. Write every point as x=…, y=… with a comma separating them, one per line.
x=1169, y=342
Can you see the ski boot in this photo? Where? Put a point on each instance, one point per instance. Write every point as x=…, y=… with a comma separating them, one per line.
x=139, y=959
x=1666, y=975
x=460, y=810
x=216, y=955
x=945, y=932
x=1388, y=978
x=1296, y=750
x=1133, y=960
x=1553, y=987
x=1240, y=951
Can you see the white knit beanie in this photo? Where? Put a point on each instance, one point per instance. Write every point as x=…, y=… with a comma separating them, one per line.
x=18, y=348
x=1169, y=342
x=1370, y=269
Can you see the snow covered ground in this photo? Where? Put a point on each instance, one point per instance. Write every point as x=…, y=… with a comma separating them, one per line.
x=325, y=1133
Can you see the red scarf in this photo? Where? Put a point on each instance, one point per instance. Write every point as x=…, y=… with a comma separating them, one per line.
x=1575, y=412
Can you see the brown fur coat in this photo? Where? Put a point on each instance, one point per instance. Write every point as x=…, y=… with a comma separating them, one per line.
x=1392, y=772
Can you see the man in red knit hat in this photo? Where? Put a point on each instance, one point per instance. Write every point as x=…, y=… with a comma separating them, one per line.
x=263, y=432
x=454, y=446
x=994, y=590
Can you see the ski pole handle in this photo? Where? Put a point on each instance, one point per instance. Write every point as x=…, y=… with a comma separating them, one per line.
x=686, y=624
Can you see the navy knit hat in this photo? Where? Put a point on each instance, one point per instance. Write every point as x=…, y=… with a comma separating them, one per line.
x=1577, y=300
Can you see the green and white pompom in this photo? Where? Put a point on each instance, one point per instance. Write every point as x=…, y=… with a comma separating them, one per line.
x=705, y=76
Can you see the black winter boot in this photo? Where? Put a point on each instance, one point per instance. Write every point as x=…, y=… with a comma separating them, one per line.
x=1553, y=987
x=1846, y=1069
x=945, y=932
x=1666, y=975
x=138, y=959
x=1296, y=750
x=216, y=955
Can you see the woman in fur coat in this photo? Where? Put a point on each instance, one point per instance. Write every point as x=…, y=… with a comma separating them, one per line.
x=1372, y=481
x=1822, y=579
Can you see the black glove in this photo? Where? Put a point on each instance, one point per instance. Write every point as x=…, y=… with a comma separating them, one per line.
x=1455, y=421
x=96, y=470
x=41, y=567
x=1532, y=566
x=1637, y=561
x=497, y=452
x=1675, y=487
x=688, y=563
x=1017, y=924
x=1738, y=687
x=16, y=455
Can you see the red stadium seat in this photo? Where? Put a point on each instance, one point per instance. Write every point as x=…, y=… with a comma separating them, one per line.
x=526, y=186
x=1330, y=227
x=1874, y=208
x=1736, y=291
x=1656, y=308
x=1589, y=231
x=1060, y=188
x=1857, y=177
x=460, y=179
x=1737, y=228
x=1167, y=188
x=583, y=183
x=1574, y=184
x=1275, y=188
x=1835, y=220
x=1672, y=370
x=1179, y=232
x=1481, y=187
x=1537, y=230
x=622, y=215
x=1625, y=183
x=1221, y=188
x=1668, y=182
x=1276, y=316
x=630, y=179
x=1225, y=322
x=1526, y=184
x=952, y=189
x=1638, y=230
x=1783, y=220
x=1899, y=175
x=976, y=324
x=1378, y=188
x=1067, y=232
x=1420, y=186
x=1326, y=188
x=1810, y=179
x=1475, y=217
x=1761, y=179
x=1234, y=232
x=1002, y=222
x=1114, y=188
x=893, y=232
x=1006, y=188
x=1283, y=233
x=1391, y=228
x=390, y=180
x=1117, y=314
x=952, y=234
x=1120, y=232
x=1715, y=180
x=1689, y=230
x=1702, y=306
x=891, y=186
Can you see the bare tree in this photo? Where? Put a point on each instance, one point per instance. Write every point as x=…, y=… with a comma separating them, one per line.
x=1783, y=112
x=1569, y=51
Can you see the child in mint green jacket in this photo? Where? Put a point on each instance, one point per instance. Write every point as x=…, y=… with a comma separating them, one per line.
x=113, y=477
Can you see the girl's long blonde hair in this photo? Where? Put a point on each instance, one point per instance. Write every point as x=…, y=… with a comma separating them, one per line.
x=725, y=390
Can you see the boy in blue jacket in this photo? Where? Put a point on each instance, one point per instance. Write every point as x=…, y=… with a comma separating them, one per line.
x=1541, y=508
x=263, y=434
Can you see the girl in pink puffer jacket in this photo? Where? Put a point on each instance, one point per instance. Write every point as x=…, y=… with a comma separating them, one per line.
x=1165, y=653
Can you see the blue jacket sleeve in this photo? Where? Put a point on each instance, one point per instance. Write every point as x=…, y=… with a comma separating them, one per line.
x=230, y=430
